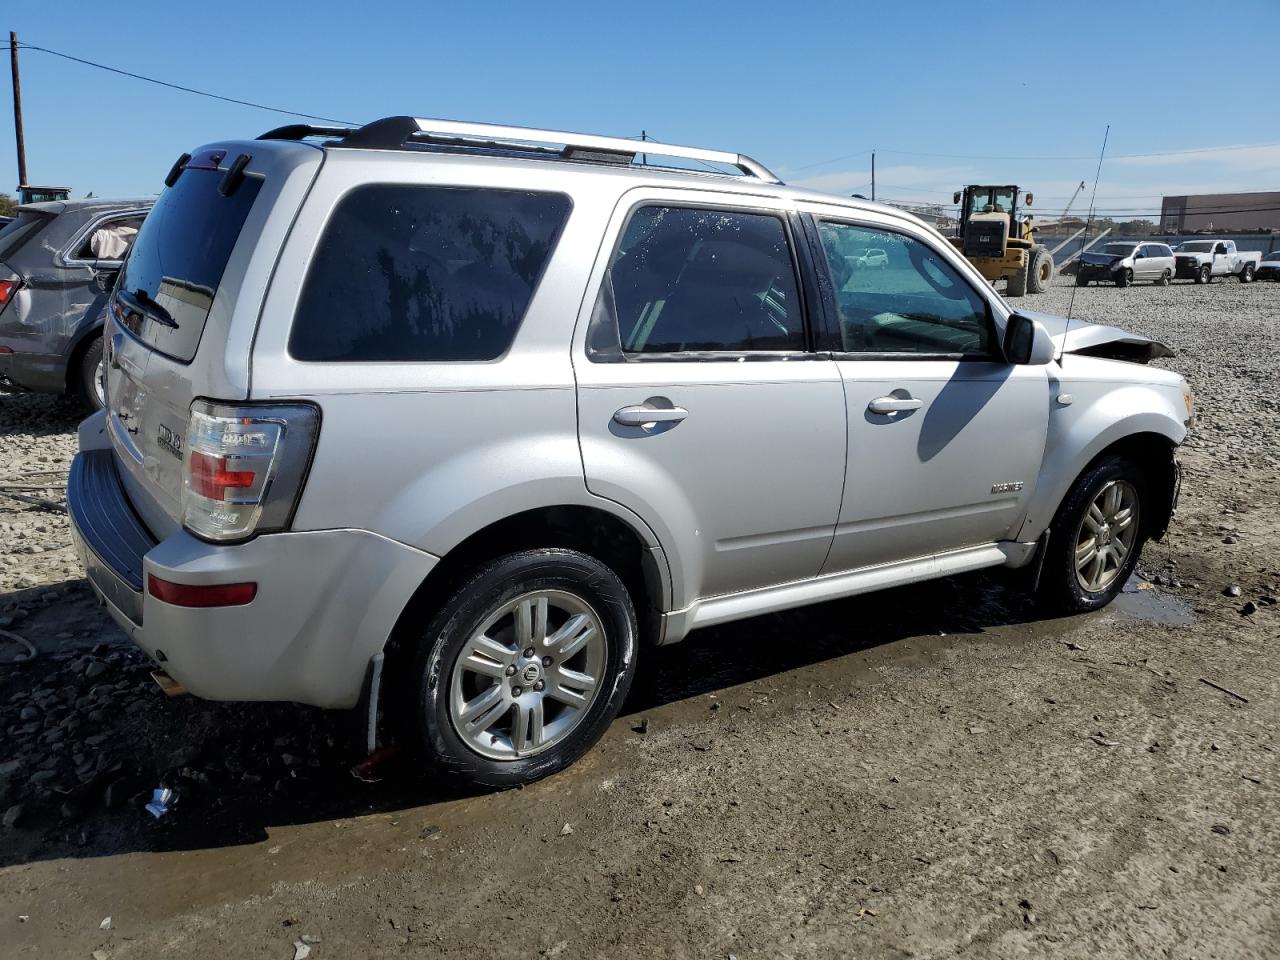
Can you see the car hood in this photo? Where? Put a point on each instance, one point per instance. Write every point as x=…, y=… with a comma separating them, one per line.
x=1192, y=253
x=1101, y=258
x=1099, y=340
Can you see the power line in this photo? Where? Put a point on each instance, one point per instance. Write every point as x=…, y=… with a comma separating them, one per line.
x=976, y=156
x=178, y=86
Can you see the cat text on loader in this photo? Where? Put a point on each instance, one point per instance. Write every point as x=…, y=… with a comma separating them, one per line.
x=1000, y=242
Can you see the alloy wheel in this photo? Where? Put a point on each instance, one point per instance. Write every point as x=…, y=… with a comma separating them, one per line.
x=1106, y=536
x=527, y=678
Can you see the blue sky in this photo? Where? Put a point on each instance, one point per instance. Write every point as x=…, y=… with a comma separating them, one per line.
x=809, y=89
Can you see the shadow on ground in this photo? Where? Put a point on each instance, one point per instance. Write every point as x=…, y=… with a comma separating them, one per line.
x=89, y=734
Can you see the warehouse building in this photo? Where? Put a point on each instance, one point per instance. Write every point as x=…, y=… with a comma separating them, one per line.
x=1221, y=212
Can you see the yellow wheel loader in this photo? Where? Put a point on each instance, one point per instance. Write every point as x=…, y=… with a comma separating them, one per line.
x=999, y=242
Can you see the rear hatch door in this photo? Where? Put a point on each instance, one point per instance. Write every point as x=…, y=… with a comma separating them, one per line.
x=185, y=308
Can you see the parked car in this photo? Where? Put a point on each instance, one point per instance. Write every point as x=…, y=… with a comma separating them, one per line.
x=57, y=263
x=1124, y=263
x=1269, y=267
x=1202, y=260
x=872, y=258
x=453, y=420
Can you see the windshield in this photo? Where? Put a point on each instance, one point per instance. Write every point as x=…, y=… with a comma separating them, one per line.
x=1198, y=246
x=1119, y=249
x=177, y=260
x=991, y=200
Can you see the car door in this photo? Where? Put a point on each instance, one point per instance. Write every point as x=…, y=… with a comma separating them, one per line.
x=700, y=406
x=1142, y=262
x=945, y=437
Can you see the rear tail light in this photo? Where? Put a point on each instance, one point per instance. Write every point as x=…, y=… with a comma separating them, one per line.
x=7, y=289
x=245, y=466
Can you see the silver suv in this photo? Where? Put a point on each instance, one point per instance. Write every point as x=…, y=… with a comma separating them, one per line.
x=449, y=420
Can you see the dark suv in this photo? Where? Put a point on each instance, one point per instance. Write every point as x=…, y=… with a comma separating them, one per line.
x=57, y=262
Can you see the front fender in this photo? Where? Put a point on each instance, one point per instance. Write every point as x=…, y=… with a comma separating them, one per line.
x=1098, y=416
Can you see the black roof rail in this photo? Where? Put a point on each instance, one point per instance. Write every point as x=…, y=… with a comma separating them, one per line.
x=299, y=131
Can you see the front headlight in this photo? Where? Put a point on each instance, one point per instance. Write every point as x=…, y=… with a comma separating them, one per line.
x=1188, y=400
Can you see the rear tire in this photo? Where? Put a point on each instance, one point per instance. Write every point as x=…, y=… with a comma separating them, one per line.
x=1124, y=277
x=1040, y=270
x=91, y=384
x=468, y=691
x=1164, y=278
x=1246, y=275
x=1017, y=286
x=1086, y=523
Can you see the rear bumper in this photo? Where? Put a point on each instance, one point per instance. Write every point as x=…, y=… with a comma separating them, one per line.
x=43, y=373
x=326, y=602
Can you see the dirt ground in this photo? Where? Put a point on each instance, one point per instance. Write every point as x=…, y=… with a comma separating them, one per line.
x=933, y=771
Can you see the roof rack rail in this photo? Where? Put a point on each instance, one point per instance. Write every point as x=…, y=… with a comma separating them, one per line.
x=393, y=133
x=299, y=131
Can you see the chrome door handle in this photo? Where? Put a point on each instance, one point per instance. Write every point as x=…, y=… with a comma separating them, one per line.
x=644, y=415
x=887, y=405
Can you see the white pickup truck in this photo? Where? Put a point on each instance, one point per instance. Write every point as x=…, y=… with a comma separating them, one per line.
x=1202, y=260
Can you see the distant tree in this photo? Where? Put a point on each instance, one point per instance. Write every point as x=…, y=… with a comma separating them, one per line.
x=1136, y=228
x=8, y=205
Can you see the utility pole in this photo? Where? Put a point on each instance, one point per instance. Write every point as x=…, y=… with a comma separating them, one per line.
x=873, y=170
x=17, y=110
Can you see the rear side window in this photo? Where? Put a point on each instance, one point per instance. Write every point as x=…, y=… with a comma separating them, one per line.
x=409, y=273
x=688, y=280
x=178, y=258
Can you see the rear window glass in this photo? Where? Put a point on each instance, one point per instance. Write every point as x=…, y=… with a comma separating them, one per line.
x=178, y=257
x=408, y=273
x=23, y=227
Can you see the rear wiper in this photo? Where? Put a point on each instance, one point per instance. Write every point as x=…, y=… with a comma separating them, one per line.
x=141, y=302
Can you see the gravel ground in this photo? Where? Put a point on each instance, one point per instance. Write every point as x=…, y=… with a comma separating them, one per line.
x=933, y=771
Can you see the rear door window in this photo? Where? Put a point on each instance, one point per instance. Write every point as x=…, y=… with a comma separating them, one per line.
x=412, y=273
x=178, y=258
x=692, y=280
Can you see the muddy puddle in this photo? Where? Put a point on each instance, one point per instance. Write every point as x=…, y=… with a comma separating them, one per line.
x=1141, y=600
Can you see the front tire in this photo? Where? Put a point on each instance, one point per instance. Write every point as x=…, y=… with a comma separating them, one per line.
x=1081, y=280
x=523, y=669
x=1040, y=270
x=1204, y=274
x=1124, y=277
x=1095, y=538
x=1017, y=286
x=91, y=383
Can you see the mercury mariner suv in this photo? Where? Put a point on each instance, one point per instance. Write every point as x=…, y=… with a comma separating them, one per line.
x=448, y=421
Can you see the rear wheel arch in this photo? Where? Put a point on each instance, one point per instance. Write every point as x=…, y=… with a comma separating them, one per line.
x=590, y=530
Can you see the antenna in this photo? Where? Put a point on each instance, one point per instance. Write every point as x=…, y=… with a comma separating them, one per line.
x=1071, y=305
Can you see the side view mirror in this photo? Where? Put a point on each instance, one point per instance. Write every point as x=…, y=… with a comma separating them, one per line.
x=1027, y=342
x=1027, y=200
x=104, y=275
x=955, y=197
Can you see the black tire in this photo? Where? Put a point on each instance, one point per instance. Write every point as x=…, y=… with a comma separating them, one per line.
x=498, y=582
x=1204, y=274
x=1246, y=275
x=1060, y=589
x=1017, y=286
x=1124, y=278
x=89, y=388
x=1081, y=280
x=1164, y=278
x=1039, y=270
